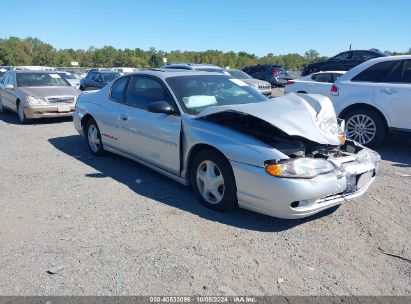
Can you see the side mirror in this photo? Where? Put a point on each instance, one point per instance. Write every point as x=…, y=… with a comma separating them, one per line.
x=9, y=87
x=161, y=107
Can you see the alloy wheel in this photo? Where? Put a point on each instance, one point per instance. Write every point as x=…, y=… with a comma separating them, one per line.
x=210, y=182
x=93, y=138
x=361, y=128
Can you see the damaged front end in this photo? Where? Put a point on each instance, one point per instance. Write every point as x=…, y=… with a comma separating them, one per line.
x=319, y=166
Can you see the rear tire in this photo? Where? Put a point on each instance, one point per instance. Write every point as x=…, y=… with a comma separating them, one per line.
x=93, y=137
x=213, y=181
x=366, y=126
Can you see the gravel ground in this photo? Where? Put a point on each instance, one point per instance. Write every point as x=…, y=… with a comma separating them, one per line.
x=74, y=224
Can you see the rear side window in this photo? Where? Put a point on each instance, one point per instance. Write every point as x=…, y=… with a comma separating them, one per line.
x=376, y=73
x=406, y=76
x=364, y=55
x=323, y=77
x=144, y=90
x=119, y=89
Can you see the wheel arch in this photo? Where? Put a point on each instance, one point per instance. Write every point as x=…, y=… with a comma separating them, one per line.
x=367, y=106
x=193, y=152
x=85, y=119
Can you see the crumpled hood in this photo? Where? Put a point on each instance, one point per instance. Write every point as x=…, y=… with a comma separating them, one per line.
x=50, y=91
x=307, y=115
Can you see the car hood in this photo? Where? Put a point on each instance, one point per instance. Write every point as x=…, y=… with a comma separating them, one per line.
x=305, y=115
x=50, y=91
x=250, y=81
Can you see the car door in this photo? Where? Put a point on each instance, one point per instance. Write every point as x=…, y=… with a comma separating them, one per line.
x=394, y=95
x=153, y=137
x=9, y=95
x=109, y=115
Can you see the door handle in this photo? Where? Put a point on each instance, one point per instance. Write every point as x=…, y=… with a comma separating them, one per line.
x=388, y=91
x=124, y=117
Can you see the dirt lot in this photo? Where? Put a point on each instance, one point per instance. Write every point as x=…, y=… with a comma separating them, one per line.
x=74, y=224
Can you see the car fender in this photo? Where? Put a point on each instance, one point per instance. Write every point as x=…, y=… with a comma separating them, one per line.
x=234, y=145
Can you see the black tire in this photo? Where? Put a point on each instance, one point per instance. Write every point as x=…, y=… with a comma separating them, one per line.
x=378, y=120
x=22, y=116
x=229, y=196
x=95, y=149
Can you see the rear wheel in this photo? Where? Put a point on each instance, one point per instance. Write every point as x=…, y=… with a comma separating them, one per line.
x=213, y=181
x=366, y=126
x=94, y=138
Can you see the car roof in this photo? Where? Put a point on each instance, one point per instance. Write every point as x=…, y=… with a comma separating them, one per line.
x=35, y=71
x=359, y=68
x=165, y=73
x=193, y=65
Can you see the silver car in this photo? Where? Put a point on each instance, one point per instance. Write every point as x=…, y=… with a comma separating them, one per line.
x=37, y=94
x=285, y=157
x=263, y=86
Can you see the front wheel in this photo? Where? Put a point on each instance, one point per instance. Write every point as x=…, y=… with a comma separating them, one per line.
x=94, y=138
x=20, y=112
x=366, y=126
x=213, y=181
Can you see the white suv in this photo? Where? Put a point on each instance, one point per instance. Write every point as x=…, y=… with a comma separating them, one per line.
x=375, y=98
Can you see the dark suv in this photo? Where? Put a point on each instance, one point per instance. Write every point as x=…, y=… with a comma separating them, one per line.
x=95, y=79
x=342, y=62
x=274, y=74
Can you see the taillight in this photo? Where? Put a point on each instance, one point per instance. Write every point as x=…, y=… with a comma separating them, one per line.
x=275, y=72
x=290, y=82
x=334, y=91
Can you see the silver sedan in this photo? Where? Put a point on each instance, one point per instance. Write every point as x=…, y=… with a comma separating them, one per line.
x=285, y=157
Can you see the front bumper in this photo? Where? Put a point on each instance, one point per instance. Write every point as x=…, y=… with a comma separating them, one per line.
x=298, y=198
x=48, y=111
x=266, y=92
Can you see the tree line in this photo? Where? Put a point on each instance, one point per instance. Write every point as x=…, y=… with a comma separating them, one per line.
x=32, y=51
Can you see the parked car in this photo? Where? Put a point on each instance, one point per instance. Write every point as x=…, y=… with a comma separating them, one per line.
x=235, y=146
x=194, y=66
x=96, y=79
x=317, y=83
x=263, y=86
x=274, y=74
x=37, y=94
x=375, y=98
x=342, y=62
x=71, y=78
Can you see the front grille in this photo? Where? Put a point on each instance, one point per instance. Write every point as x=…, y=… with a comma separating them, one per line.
x=61, y=99
x=263, y=87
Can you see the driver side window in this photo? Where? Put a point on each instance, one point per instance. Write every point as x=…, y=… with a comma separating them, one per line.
x=144, y=90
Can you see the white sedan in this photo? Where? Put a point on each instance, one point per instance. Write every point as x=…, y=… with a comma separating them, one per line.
x=316, y=83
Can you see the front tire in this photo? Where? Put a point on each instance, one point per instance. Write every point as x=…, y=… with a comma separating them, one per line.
x=366, y=126
x=93, y=137
x=21, y=114
x=213, y=181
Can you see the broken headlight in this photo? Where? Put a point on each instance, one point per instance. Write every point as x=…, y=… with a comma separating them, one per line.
x=32, y=100
x=299, y=167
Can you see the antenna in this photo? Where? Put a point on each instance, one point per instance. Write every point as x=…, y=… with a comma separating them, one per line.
x=350, y=46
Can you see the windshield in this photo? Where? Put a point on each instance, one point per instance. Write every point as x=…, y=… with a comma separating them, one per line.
x=110, y=76
x=40, y=80
x=196, y=93
x=239, y=74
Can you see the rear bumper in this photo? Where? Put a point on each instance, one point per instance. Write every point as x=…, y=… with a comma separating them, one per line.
x=49, y=111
